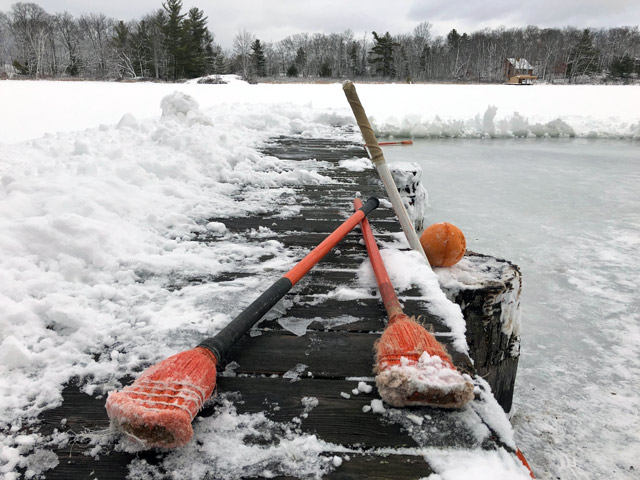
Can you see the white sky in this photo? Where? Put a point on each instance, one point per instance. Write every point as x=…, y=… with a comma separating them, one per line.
x=273, y=20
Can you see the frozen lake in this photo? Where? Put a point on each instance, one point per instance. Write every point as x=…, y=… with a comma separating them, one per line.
x=568, y=213
x=140, y=164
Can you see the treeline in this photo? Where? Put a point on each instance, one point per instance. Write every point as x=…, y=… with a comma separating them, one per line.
x=165, y=44
x=171, y=44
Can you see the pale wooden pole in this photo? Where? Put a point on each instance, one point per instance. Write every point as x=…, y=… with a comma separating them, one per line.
x=377, y=157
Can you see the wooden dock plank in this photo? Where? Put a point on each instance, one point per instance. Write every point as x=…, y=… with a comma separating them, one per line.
x=337, y=345
x=326, y=354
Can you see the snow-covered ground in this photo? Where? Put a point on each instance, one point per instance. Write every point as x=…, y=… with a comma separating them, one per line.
x=27, y=111
x=95, y=220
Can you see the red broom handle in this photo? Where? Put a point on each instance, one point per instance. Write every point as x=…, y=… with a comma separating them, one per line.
x=403, y=142
x=387, y=292
x=313, y=257
x=225, y=338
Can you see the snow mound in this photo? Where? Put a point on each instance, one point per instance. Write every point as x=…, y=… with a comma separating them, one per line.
x=475, y=465
x=180, y=106
x=356, y=164
x=515, y=125
x=99, y=235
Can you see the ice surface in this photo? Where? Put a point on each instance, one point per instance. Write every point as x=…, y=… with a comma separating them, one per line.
x=566, y=212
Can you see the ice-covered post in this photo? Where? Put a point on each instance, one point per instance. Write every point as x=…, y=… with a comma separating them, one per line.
x=408, y=179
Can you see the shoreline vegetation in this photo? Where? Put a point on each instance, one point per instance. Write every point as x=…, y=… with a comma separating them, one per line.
x=216, y=79
x=173, y=44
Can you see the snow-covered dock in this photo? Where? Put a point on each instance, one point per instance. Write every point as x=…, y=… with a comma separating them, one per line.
x=301, y=382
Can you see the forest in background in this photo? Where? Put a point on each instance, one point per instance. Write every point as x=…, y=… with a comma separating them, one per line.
x=172, y=44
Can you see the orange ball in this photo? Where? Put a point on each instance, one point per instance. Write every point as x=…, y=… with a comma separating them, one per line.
x=444, y=244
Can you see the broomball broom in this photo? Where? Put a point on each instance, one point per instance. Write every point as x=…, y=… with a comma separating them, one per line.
x=158, y=408
x=412, y=367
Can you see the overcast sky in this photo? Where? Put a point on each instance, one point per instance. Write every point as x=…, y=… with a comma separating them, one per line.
x=273, y=20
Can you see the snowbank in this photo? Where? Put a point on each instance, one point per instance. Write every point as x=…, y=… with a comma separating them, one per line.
x=94, y=228
x=30, y=109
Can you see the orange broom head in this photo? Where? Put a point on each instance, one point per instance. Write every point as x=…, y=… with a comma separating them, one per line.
x=413, y=368
x=444, y=244
x=158, y=408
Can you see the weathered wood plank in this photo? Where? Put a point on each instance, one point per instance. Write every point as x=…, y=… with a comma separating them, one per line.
x=293, y=224
x=341, y=420
x=376, y=467
x=369, y=315
x=330, y=354
x=326, y=354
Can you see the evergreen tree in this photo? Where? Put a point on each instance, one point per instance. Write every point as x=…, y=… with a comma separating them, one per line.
x=173, y=29
x=453, y=38
x=257, y=56
x=585, y=58
x=381, y=55
x=352, y=55
x=292, y=71
x=220, y=62
x=198, y=43
x=325, y=69
x=622, y=67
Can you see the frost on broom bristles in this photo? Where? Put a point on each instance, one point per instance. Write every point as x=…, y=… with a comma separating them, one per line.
x=158, y=408
x=413, y=368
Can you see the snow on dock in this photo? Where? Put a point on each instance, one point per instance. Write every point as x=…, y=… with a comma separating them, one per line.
x=298, y=398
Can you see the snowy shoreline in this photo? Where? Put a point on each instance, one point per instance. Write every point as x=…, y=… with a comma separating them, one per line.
x=31, y=109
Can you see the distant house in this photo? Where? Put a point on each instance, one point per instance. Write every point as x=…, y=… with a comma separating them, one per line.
x=518, y=71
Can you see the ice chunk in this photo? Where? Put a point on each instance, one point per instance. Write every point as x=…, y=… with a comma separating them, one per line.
x=295, y=372
x=13, y=354
x=364, y=387
x=377, y=406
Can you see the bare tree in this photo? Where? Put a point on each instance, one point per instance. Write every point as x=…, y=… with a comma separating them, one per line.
x=242, y=51
x=70, y=36
x=5, y=40
x=31, y=28
x=98, y=30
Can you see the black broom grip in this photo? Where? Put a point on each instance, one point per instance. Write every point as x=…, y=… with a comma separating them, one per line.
x=222, y=342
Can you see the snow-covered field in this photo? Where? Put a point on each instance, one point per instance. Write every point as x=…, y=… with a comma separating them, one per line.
x=29, y=111
x=111, y=181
